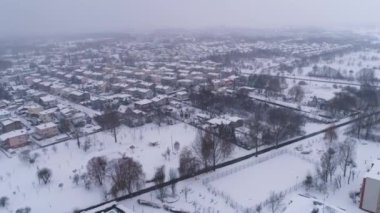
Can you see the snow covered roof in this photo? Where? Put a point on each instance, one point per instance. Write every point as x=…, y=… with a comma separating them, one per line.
x=218, y=121
x=8, y=121
x=159, y=97
x=301, y=203
x=374, y=172
x=182, y=93
x=4, y=112
x=48, y=98
x=48, y=111
x=143, y=102
x=76, y=93
x=111, y=207
x=46, y=125
x=224, y=120
x=12, y=134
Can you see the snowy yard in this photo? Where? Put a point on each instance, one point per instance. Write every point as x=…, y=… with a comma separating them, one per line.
x=276, y=174
x=18, y=180
x=254, y=184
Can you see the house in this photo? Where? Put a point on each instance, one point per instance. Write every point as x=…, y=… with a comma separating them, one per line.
x=48, y=101
x=370, y=190
x=135, y=117
x=319, y=103
x=47, y=115
x=160, y=100
x=4, y=114
x=79, y=119
x=187, y=83
x=182, y=96
x=4, y=104
x=77, y=96
x=164, y=89
x=168, y=81
x=46, y=130
x=14, y=139
x=56, y=89
x=8, y=125
x=111, y=207
x=31, y=109
x=144, y=105
x=140, y=92
x=123, y=109
x=227, y=120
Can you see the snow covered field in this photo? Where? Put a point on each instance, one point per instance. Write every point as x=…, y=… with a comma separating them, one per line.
x=18, y=180
x=254, y=184
x=350, y=64
x=276, y=174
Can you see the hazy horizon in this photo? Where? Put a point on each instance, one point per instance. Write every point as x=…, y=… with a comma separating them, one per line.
x=48, y=17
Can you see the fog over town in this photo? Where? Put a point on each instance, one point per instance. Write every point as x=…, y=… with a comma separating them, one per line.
x=189, y=106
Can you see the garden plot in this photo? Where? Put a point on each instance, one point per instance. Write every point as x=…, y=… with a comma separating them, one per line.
x=253, y=185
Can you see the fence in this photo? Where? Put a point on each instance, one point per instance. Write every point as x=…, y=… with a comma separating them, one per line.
x=227, y=163
x=233, y=203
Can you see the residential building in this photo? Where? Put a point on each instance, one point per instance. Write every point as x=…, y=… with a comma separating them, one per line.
x=370, y=191
x=14, y=139
x=46, y=130
x=11, y=124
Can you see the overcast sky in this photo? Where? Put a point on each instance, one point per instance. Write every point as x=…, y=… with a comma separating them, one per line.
x=31, y=17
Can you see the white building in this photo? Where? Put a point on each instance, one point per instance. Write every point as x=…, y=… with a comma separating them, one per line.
x=370, y=192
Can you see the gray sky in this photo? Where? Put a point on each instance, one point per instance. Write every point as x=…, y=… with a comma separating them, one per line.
x=31, y=17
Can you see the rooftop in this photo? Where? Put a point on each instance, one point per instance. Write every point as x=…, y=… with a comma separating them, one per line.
x=374, y=172
x=301, y=203
x=12, y=134
x=143, y=102
x=46, y=125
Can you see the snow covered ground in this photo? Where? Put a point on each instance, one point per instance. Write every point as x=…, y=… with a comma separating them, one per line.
x=254, y=184
x=18, y=180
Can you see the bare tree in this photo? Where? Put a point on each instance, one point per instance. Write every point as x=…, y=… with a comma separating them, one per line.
x=159, y=178
x=44, y=175
x=173, y=175
x=77, y=136
x=204, y=148
x=347, y=154
x=328, y=165
x=258, y=208
x=27, y=157
x=109, y=121
x=24, y=210
x=225, y=139
x=255, y=130
x=284, y=123
x=188, y=163
x=96, y=169
x=297, y=93
x=366, y=76
x=308, y=182
x=330, y=134
x=4, y=201
x=87, y=143
x=76, y=179
x=275, y=201
x=176, y=146
x=126, y=174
